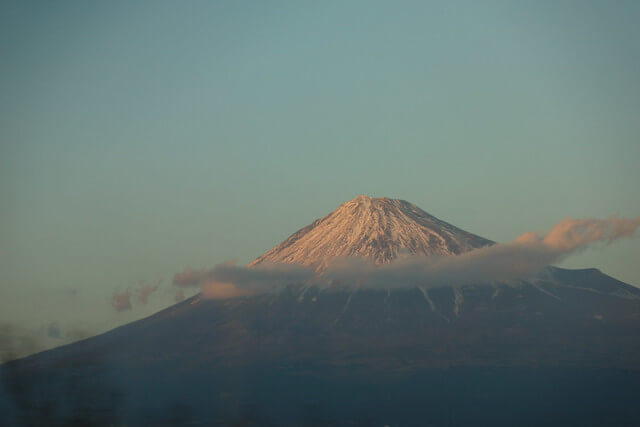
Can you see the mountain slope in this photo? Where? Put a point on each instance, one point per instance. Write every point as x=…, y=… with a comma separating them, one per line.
x=374, y=228
x=562, y=348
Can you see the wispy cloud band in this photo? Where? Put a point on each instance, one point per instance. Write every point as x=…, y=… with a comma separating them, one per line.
x=519, y=259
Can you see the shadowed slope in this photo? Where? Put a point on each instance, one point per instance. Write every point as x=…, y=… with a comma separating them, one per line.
x=561, y=350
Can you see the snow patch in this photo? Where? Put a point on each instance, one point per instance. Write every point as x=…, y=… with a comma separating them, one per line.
x=458, y=299
x=425, y=292
x=544, y=291
x=344, y=308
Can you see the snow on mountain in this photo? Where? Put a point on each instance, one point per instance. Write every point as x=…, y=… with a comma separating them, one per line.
x=374, y=228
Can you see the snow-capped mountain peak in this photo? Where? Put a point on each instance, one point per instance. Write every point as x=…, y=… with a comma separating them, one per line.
x=374, y=228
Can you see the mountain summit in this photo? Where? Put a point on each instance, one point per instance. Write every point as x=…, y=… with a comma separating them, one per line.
x=374, y=228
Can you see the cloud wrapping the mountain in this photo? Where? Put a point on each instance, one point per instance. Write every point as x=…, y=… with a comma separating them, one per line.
x=228, y=280
x=517, y=260
x=571, y=234
x=188, y=277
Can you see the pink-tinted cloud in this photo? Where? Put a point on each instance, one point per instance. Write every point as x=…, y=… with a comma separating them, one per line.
x=188, y=277
x=145, y=290
x=266, y=274
x=575, y=234
x=222, y=290
x=121, y=301
x=229, y=280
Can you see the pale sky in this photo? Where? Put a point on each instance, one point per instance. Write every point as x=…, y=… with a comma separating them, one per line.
x=137, y=138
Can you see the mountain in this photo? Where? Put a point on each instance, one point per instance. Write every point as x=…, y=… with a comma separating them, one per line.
x=562, y=348
x=374, y=228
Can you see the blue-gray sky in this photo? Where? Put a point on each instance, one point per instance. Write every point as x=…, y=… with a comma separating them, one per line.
x=137, y=138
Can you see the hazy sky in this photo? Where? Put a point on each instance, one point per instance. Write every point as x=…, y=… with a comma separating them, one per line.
x=137, y=138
